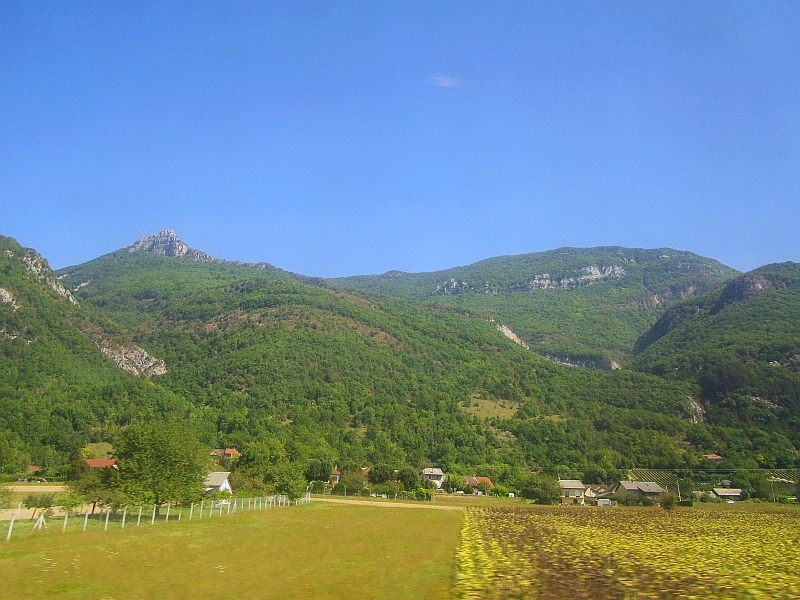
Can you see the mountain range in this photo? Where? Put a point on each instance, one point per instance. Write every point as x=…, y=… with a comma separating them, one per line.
x=593, y=359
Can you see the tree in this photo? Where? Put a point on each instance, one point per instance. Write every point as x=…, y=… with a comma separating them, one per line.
x=160, y=462
x=381, y=473
x=353, y=478
x=409, y=477
x=263, y=467
x=541, y=488
x=318, y=470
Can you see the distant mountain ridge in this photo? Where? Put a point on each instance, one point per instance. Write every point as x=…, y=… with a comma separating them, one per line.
x=169, y=244
x=577, y=305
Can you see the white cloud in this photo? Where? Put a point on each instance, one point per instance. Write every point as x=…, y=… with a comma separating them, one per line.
x=448, y=82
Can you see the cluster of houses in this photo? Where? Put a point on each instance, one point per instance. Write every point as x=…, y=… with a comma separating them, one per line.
x=575, y=492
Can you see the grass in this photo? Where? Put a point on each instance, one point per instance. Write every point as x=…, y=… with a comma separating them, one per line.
x=315, y=551
x=747, y=551
x=488, y=409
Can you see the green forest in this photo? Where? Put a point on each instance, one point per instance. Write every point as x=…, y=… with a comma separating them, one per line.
x=349, y=372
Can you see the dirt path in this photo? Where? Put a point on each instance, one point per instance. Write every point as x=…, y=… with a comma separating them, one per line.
x=37, y=489
x=427, y=505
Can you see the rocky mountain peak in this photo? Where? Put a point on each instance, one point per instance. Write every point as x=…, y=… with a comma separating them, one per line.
x=168, y=243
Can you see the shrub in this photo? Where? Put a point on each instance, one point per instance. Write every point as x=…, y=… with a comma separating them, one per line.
x=685, y=503
x=339, y=489
x=668, y=501
x=365, y=493
x=317, y=487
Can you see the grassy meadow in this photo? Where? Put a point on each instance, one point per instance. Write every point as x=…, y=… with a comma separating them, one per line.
x=316, y=551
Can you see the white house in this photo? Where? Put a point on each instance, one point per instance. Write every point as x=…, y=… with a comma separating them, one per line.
x=218, y=481
x=434, y=474
x=572, y=491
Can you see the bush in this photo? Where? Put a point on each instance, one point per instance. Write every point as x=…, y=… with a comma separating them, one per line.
x=365, y=493
x=648, y=502
x=668, y=501
x=685, y=503
x=339, y=489
x=317, y=487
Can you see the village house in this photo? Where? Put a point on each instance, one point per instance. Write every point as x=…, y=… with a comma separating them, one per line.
x=475, y=483
x=712, y=457
x=573, y=492
x=727, y=493
x=434, y=474
x=640, y=489
x=218, y=481
x=335, y=476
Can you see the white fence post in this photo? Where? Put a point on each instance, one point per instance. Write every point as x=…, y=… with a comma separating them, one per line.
x=11, y=523
x=211, y=509
x=191, y=511
x=124, y=514
x=202, y=505
x=180, y=513
x=139, y=518
x=166, y=520
x=64, y=526
x=85, y=519
x=153, y=519
x=229, y=507
x=108, y=512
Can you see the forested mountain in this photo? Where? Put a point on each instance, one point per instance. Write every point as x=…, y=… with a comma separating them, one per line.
x=251, y=352
x=583, y=306
x=58, y=377
x=741, y=344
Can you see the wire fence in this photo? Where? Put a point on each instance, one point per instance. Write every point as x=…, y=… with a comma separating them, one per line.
x=138, y=516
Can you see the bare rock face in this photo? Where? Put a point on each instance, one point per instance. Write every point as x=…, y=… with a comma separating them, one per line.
x=588, y=275
x=511, y=335
x=134, y=360
x=169, y=244
x=37, y=265
x=7, y=298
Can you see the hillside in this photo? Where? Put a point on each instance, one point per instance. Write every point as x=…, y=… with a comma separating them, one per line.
x=251, y=352
x=65, y=368
x=741, y=344
x=581, y=306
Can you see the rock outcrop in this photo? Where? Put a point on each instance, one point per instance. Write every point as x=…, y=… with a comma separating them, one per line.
x=37, y=265
x=7, y=298
x=168, y=243
x=134, y=360
x=589, y=274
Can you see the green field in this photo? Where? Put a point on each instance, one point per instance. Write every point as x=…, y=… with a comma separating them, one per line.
x=316, y=551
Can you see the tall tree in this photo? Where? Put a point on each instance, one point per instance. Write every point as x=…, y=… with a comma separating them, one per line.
x=160, y=462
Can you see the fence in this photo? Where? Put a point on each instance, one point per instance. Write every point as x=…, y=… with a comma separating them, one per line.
x=139, y=515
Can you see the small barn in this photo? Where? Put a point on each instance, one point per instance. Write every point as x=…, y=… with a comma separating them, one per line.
x=218, y=481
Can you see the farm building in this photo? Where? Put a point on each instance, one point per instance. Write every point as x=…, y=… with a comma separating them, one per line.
x=640, y=489
x=727, y=493
x=218, y=481
x=100, y=463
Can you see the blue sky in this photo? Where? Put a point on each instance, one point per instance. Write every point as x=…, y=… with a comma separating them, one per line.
x=348, y=138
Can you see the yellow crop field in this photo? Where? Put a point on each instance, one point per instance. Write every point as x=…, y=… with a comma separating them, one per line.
x=560, y=552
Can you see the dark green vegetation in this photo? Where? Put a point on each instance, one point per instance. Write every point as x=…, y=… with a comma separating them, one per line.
x=583, y=305
x=741, y=344
x=259, y=356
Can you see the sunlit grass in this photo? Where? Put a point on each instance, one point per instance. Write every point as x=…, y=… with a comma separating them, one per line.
x=315, y=551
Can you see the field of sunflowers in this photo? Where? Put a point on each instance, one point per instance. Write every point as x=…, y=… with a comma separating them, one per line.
x=743, y=551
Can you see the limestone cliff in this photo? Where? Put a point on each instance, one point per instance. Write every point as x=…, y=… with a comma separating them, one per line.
x=169, y=244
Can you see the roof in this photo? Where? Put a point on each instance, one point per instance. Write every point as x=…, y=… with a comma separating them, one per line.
x=646, y=487
x=232, y=452
x=432, y=471
x=485, y=480
x=100, y=463
x=336, y=472
x=722, y=492
x=33, y=469
x=216, y=479
x=712, y=457
x=571, y=484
